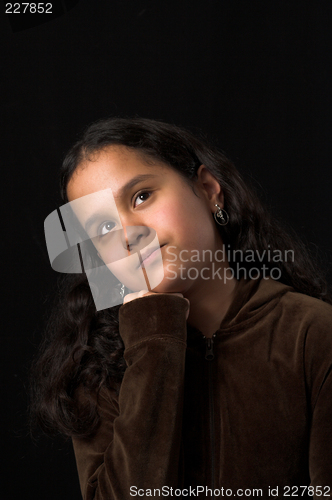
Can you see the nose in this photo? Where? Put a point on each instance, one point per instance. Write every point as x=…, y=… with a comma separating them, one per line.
x=135, y=238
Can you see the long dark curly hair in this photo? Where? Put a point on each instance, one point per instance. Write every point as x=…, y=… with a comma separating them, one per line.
x=82, y=347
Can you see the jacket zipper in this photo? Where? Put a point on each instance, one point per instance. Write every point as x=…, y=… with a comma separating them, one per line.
x=209, y=356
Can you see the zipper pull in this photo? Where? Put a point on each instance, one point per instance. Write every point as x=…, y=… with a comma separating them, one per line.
x=209, y=355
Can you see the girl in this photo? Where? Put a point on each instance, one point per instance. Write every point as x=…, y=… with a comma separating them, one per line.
x=217, y=380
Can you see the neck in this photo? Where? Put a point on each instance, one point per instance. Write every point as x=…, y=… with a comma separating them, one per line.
x=209, y=304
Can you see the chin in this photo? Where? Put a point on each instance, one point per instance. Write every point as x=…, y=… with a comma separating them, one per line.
x=167, y=286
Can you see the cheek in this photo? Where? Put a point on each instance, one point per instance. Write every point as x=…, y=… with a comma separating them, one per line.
x=196, y=226
x=183, y=221
x=172, y=216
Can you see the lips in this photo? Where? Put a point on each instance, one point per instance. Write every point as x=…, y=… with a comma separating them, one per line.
x=147, y=253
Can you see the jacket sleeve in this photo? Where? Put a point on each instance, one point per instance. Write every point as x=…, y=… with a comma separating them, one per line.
x=318, y=371
x=138, y=442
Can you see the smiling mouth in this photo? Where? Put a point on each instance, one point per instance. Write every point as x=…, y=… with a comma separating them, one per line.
x=149, y=257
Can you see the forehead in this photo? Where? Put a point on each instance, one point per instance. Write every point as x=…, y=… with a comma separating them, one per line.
x=110, y=168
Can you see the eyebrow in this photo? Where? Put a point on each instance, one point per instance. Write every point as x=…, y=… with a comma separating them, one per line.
x=122, y=191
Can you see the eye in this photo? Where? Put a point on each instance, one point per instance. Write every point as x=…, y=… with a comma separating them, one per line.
x=141, y=195
x=105, y=228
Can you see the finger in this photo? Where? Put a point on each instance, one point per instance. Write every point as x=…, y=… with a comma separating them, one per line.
x=132, y=296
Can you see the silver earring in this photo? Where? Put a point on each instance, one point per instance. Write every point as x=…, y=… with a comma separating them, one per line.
x=122, y=289
x=221, y=216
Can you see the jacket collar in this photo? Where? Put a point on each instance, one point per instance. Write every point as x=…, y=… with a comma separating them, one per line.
x=253, y=297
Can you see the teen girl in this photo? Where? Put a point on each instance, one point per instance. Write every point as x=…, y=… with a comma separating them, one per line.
x=216, y=382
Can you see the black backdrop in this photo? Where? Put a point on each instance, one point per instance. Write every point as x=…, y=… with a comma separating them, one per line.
x=254, y=75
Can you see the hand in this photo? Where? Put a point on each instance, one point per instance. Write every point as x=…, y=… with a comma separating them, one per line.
x=143, y=293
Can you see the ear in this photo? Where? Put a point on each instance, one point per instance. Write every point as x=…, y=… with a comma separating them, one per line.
x=210, y=187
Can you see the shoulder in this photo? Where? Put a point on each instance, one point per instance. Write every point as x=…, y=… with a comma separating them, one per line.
x=307, y=322
x=297, y=307
x=309, y=311
x=298, y=320
x=303, y=327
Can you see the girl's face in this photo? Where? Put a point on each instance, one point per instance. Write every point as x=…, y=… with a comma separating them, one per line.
x=157, y=209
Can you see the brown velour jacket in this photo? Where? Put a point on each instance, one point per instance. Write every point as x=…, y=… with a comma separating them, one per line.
x=252, y=410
